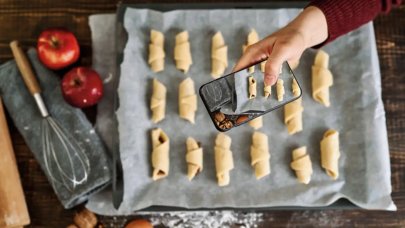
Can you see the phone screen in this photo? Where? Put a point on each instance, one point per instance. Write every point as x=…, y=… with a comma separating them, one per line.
x=237, y=98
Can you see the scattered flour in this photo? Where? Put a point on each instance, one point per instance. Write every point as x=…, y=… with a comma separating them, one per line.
x=206, y=219
x=327, y=218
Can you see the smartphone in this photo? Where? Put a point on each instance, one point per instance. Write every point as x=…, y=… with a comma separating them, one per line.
x=230, y=102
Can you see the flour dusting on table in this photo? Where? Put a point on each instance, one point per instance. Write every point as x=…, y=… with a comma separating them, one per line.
x=222, y=219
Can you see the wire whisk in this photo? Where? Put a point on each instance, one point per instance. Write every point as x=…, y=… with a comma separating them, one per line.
x=65, y=161
x=67, y=169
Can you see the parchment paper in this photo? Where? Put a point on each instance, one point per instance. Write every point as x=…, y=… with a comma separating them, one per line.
x=357, y=113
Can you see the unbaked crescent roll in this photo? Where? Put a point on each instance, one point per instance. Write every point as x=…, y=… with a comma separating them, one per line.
x=301, y=164
x=252, y=38
x=322, y=78
x=321, y=59
x=294, y=64
x=259, y=153
x=219, y=55
x=293, y=116
x=156, y=52
x=252, y=87
x=223, y=158
x=295, y=88
x=330, y=153
x=182, y=53
x=267, y=90
x=280, y=90
x=158, y=101
x=160, y=154
x=194, y=158
x=263, y=66
x=187, y=100
x=256, y=123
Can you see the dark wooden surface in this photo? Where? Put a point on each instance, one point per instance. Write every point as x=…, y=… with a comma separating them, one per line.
x=24, y=19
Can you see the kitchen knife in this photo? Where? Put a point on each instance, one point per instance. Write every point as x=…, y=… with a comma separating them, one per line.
x=117, y=171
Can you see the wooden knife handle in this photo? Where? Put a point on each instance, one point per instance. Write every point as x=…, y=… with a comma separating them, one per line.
x=25, y=68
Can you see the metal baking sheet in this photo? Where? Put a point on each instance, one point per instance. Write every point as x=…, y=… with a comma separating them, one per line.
x=363, y=44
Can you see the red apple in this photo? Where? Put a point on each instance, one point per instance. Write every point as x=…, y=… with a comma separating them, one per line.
x=57, y=48
x=82, y=87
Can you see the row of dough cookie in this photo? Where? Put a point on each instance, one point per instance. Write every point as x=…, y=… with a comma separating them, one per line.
x=187, y=100
x=259, y=151
x=161, y=160
x=223, y=156
x=252, y=89
x=330, y=153
x=260, y=156
x=182, y=51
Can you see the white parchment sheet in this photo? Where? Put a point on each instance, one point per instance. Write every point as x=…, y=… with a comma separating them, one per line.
x=357, y=113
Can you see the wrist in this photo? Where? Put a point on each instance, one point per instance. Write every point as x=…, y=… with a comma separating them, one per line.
x=312, y=25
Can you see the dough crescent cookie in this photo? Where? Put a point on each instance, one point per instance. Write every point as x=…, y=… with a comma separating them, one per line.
x=301, y=164
x=321, y=59
x=252, y=38
x=294, y=64
x=330, y=153
x=182, y=53
x=295, y=88
x=219, y=55
x=259, y=153
x=187, y=100
x=252, y=87
x=267, y=90
x=160, y=154
x=256, y=123
x=280, y=89
x=263, y=66
x=156, y=52
x=293, y=116
x=158, y=101
x=194, y=158
x=322, y=78
x=223, y=158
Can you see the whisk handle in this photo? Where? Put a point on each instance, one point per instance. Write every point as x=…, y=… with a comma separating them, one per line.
x=25, y=68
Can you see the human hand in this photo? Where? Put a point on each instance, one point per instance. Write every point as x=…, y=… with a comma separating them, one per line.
x=287, y=44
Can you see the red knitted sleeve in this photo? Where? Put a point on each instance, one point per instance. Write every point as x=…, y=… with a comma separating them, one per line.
x=343, y=16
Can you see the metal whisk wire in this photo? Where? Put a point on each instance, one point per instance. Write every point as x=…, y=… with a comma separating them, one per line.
x=65, y=160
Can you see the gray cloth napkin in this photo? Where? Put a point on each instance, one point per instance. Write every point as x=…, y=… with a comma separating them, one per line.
x=26, y=117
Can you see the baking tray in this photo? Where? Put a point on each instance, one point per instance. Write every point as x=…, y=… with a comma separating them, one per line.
x=121, y=39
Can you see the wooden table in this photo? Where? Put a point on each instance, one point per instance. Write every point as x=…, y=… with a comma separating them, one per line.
x=24, y=20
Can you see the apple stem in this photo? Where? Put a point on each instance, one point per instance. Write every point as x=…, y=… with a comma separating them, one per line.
x=54, y=41
x=77, y=82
